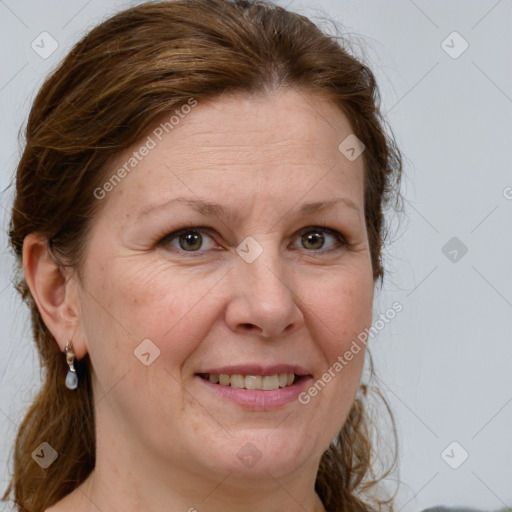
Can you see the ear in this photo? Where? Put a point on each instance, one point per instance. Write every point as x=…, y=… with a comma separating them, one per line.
x=55, y=292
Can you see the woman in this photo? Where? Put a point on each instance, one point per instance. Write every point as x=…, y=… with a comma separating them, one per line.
x=199, y=222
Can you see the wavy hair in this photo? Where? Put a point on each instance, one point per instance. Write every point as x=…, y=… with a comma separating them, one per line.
x=104, y=96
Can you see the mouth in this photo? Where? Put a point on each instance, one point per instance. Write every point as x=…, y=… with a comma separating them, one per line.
x=252, y=382
x=256, y=387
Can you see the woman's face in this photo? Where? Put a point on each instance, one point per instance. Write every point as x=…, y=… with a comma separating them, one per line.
x=258, y=285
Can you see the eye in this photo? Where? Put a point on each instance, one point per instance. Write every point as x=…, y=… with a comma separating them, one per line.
x=315, y=236
x=187, y=239
x=192, y=239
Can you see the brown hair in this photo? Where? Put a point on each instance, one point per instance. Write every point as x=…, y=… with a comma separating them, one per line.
x=106, y=94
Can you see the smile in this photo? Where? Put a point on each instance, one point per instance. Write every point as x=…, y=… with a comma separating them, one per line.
x=252, y=382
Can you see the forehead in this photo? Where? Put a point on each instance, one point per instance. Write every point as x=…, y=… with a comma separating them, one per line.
x=274, y=146
x=271, y=122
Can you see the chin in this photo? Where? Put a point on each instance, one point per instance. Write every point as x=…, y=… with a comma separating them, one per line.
x=263, y=456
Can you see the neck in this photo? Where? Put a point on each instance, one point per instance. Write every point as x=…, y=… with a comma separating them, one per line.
x=130, y=476
x=126, y=490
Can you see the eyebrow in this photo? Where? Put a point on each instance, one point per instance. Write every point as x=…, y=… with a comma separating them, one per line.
x=209, y=208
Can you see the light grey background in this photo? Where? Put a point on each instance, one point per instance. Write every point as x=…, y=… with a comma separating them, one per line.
x=444, y=361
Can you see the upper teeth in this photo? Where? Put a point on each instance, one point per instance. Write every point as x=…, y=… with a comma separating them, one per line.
x=266, y=383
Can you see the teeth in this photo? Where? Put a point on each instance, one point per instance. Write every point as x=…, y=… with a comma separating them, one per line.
x=253, y=381
x=224, y=379
x=237, y=381
x=270, y=382
x=265, y=383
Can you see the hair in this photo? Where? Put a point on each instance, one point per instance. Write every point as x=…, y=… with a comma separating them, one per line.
x=102, y=98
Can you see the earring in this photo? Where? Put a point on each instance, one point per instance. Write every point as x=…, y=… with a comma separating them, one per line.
x=71, y=377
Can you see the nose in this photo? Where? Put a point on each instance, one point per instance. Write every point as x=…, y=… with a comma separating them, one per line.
x=263, y=298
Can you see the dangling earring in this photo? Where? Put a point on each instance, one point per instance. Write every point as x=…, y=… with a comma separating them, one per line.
x=71, y=377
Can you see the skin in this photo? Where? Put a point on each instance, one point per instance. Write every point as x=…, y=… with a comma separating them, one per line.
x=164, y=440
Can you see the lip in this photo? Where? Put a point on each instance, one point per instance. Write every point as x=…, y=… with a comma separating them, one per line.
x=255, y=399
x=254, y=369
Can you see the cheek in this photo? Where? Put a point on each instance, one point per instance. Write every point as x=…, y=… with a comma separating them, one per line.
x=150, y=300
x=342, y=308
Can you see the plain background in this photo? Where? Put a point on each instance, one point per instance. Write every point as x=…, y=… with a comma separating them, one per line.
x=444, y=361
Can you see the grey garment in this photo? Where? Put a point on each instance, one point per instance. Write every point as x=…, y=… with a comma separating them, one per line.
x=461, y=509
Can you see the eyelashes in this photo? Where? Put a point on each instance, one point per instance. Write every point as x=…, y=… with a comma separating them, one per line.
x=191, y=240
